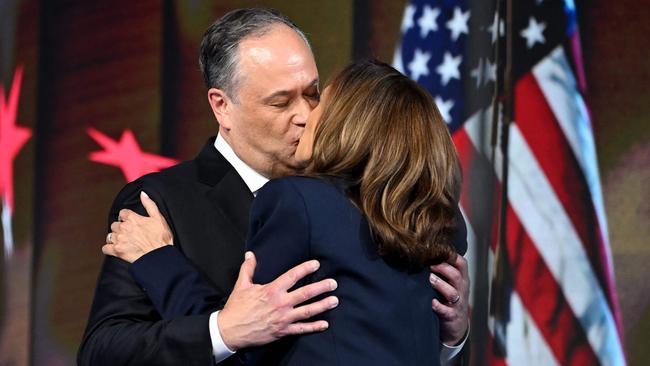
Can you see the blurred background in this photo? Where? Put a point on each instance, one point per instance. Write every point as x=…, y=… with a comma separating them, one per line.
x=96, y=93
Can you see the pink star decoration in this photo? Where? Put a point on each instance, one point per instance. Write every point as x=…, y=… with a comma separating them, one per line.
x=12, y=138
x=126, y=155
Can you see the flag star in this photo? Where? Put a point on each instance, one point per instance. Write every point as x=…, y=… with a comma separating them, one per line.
x=490, y=72
x=444, y=106
x=407, y=20
x=458, y=24
x=427, y=21
x=477, y=73
x=418, y=65
x=534, y=33
x=448, y=69
x=493, y=28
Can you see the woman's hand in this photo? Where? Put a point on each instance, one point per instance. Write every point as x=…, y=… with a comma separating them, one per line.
x=452, y=282
x=134, y=236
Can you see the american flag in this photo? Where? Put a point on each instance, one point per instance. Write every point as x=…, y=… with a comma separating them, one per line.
x=550, y=285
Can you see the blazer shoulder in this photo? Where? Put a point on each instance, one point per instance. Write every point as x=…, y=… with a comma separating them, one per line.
x=306, y=186
x=317, y=197
x=298, y=192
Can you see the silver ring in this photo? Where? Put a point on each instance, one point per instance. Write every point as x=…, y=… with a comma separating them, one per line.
x=456, y=300
x=109, y=238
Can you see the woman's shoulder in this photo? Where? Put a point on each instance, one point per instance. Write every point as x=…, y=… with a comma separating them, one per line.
x=310, y=190
x=300, y=183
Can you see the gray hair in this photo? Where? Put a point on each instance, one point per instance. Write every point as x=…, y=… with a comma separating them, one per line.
x=219, y=57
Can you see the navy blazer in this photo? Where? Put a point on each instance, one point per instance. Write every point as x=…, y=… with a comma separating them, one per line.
x=384, y=316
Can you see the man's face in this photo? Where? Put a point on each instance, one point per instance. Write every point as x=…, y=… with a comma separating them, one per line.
x=278, y=87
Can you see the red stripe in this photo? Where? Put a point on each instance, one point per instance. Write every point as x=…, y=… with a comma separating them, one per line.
x=491, y=357
x=478, y=175
x=544, y=300
x=552, y=151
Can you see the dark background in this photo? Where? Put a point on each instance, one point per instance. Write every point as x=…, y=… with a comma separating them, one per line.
x=118, y=64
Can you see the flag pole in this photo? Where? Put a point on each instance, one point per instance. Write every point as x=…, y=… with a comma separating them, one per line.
x=503, y=97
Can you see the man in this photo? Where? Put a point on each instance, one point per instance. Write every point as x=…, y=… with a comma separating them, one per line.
x=263, y=82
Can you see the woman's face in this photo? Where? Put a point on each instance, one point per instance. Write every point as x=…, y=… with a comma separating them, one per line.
x=306, y=143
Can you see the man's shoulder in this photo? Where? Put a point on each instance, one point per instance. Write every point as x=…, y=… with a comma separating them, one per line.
x=184, y=172
x=160, y=184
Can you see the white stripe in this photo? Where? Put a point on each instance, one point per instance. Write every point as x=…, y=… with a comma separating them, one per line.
x=555, y=78
x=542, y=215
x=525, y=343
x=7, y=230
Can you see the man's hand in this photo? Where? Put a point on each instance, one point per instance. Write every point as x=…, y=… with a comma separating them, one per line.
x=451, y=280
x=134, y=235
x=259, y=314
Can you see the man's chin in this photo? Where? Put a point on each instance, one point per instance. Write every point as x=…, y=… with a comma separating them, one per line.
x=293, y=167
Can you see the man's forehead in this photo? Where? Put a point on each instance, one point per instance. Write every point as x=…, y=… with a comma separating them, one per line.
x=276, y=62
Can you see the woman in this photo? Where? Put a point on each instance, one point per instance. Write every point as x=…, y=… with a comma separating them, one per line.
x=376, y=204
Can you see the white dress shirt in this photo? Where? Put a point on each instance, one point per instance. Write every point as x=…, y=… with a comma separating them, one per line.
x=254, y=181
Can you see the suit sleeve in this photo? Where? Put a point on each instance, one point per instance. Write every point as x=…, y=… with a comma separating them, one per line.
x=279, y=230
x=125, y=328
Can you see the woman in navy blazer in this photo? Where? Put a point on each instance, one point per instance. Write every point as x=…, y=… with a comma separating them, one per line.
x=376, y=205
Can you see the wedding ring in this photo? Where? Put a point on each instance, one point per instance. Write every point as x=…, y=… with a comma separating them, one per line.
x=456, y=300
x=109, y=238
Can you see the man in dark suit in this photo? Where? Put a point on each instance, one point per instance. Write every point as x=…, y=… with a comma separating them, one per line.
x=206, y=202
x=262, y=82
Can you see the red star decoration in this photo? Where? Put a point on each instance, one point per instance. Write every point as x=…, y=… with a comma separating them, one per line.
x=127, y=155
x=12, y=137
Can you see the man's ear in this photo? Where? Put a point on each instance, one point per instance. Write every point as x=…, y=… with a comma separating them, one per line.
x=220, y=104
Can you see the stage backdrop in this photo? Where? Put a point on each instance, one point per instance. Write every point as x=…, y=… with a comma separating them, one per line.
x=85, y=83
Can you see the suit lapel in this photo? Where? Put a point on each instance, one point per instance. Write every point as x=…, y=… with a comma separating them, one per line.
x=229, y=194
x=232, y=197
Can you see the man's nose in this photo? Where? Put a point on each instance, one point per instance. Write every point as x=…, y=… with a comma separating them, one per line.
x=302, y=112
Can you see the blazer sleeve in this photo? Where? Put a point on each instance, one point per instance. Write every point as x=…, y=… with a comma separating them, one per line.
x=124, y=326
x=174, y=285
x=279, y=230
x=279, y=237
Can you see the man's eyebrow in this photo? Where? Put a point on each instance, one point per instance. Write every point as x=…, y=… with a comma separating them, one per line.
x=314, y=82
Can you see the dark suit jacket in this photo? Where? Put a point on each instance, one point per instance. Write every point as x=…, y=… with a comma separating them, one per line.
x=384, y=316
x=206, y=205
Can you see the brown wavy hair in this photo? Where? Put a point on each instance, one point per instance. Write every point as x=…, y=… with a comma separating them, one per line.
x=382, y=133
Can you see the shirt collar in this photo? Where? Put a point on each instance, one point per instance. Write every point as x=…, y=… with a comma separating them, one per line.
x=252, y=178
